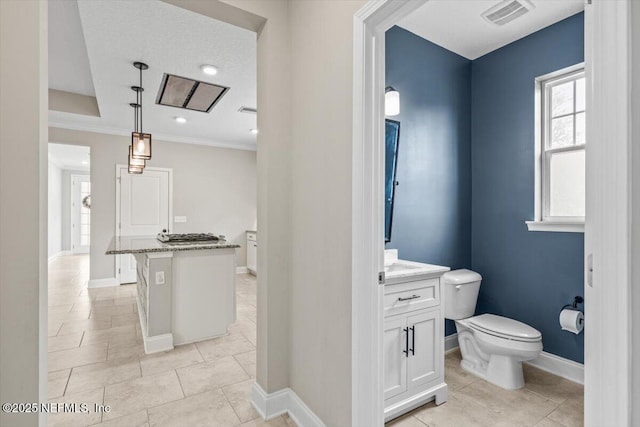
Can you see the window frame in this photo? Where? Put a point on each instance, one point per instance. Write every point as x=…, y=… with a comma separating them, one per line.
x=543, y=220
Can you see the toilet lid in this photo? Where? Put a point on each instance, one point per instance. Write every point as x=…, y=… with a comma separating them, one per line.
x=504, y=327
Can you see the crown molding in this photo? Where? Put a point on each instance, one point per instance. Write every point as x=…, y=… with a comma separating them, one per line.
x=161, y=137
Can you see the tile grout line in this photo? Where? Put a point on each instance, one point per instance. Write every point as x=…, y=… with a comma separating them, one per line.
x=226, y=398
x=184, y=395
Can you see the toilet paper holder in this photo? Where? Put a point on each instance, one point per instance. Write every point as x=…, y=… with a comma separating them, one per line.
x=574, y=305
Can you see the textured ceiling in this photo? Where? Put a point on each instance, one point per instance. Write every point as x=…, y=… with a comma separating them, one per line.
x=457, y=25
x=170, y=40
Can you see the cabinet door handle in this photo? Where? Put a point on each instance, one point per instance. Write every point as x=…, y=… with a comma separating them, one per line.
x=413, y=340
x=409, y=298
x=406, y=342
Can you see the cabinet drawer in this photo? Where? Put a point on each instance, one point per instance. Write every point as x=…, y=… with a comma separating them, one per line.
x=252, y=236
x=410, y=296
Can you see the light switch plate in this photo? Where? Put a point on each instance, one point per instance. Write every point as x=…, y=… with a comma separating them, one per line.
x=159, y=277
x=179, y=219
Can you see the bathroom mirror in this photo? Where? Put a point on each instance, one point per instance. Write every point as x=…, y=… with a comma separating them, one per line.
x=392, y=136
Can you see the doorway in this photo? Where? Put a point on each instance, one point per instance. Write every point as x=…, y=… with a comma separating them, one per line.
x=144, y=205
x=69, y=208
x=371, y=22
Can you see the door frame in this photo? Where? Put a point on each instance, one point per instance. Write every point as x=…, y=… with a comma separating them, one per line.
x=607, y=229
x=119, y=168
x=72, y=214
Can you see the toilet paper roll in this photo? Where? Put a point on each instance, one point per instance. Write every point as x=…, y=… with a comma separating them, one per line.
x=572, y=320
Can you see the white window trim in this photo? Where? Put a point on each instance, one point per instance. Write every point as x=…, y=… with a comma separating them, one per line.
x=541, y=222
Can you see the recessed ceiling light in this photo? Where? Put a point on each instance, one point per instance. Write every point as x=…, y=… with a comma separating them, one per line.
x=209, y=69
x=254, y=131
x=180, y=120
x=84, y=162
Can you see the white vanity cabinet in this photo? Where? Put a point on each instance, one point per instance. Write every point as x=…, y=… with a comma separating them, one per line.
x=413, y=343
x=252, y=252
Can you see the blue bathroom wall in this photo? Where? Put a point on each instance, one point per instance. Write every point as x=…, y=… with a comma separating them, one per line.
x=526, y=276
x=432, y=208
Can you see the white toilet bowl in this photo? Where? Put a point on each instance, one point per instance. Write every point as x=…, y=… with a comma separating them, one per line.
x=493, y=347
x=497, y=354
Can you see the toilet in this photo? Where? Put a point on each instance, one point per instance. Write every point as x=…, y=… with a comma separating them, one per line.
x=493, y=347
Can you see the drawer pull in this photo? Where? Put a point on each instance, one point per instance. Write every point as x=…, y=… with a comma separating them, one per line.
x=409, y=298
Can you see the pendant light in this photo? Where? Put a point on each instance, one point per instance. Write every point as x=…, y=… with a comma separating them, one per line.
x=140, y=141
x=136, y=166
x=391, y=101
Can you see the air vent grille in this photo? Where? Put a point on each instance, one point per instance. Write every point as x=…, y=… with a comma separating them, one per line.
x=181, y=92
x=507, y=11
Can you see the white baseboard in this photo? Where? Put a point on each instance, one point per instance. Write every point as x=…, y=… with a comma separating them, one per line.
x=157, y=343
x=59, y=254
x=556, y=365
x=283, y=401
x=565, y=368
x=102, y=283
x=450, y=342
x=242, y=270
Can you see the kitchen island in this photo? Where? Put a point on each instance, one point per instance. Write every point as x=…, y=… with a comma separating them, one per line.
x=185, y=291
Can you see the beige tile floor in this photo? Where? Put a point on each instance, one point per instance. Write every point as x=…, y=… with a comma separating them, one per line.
x=96, y=356
x=545, y=401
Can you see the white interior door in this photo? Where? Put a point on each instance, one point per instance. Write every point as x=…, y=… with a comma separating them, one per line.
x=80, y=214
x=145, y=205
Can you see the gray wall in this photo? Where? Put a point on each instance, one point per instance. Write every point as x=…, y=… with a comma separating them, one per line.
x=214, y=188
x=54, y=209
x=635, y=215
x=321, y=247
x=23, y=207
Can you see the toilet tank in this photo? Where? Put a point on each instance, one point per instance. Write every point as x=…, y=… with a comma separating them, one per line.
x=460, y=293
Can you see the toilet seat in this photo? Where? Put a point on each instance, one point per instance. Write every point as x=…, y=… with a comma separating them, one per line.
x=503, y=327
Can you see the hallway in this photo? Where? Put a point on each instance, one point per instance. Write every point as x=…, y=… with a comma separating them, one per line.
x=96, y=356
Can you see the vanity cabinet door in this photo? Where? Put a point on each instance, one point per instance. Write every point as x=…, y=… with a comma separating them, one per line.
x=425, y=352
x=394, y=358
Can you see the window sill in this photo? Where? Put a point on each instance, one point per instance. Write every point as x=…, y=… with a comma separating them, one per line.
x=557, y=227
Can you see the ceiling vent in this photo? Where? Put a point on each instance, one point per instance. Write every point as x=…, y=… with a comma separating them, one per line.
x=181, y=92
x=248, y=110
x=506, y=11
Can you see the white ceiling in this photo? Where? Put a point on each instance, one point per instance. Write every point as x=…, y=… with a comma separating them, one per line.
x=68, y=62
x=71, y=157
x=170, y=40
x=457, y=25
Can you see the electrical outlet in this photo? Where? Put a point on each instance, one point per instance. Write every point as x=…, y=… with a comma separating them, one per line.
x=159, y=277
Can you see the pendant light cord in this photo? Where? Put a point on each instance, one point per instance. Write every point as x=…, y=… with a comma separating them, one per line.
x=141, y=131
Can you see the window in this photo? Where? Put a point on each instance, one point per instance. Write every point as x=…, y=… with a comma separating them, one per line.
x=560, y=155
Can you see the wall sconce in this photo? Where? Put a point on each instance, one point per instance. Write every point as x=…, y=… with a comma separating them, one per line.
x=391, y=101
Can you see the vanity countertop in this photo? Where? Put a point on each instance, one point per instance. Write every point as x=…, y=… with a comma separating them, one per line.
x=146, y=244
x=402, y=270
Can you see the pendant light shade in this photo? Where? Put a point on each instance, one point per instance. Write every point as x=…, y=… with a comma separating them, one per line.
x=391, y=101
x=133, y=169
x=133, y=162
x=140, y=145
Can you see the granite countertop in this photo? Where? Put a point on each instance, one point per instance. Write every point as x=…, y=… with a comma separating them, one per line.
x=144, y=244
